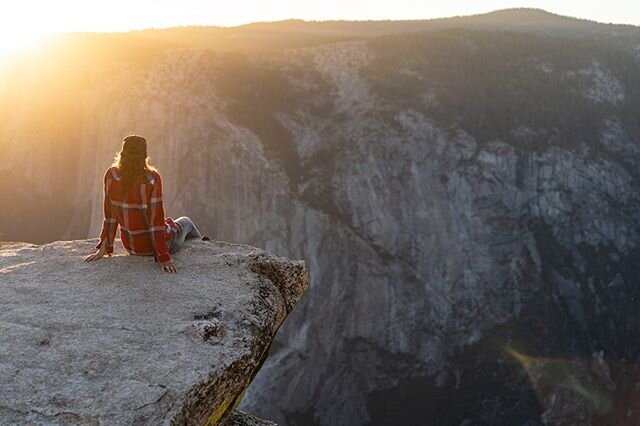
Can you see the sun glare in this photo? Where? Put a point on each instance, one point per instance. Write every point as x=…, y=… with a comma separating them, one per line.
x=12, y=43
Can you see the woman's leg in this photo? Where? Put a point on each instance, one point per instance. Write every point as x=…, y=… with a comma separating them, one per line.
x=190, y=227
x=186, y=229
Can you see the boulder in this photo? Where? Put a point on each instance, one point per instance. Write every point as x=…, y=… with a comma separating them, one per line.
x=240, y=418
x=119, y=341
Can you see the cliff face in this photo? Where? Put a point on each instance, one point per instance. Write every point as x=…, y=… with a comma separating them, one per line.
x=119, y=341
x=459, y=197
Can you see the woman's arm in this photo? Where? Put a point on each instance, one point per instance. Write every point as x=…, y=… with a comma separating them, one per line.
x=157, y=226
x=109, y=224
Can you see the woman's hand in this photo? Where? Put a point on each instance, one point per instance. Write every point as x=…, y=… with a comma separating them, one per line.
x=169, y=267
x=97, y=255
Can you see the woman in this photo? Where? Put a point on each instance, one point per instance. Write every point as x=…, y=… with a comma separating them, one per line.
x=133, y=200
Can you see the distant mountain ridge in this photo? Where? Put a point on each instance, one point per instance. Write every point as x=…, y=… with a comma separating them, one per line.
x=522, y=19
x=296, y=33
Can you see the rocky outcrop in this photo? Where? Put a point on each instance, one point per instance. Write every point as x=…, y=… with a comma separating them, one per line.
x=118, y=341
x=240, y=418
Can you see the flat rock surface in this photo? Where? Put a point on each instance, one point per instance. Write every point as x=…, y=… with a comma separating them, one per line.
x=119, y=341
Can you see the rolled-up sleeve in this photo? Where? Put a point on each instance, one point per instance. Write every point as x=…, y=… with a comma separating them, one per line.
x=109, y=223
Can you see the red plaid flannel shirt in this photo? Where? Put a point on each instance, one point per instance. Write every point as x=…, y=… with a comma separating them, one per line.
x=143, y=228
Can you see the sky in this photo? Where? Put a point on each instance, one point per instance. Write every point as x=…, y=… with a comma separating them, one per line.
x=23, y=22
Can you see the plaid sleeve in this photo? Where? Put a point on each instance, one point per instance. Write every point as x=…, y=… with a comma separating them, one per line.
x=109, y=223
x=156, y=222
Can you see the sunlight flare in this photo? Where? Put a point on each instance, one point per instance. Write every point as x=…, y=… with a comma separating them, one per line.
x=17, y=43
x=16, y=36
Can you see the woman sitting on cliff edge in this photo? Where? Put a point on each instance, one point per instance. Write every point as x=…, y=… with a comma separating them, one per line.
x=133, y=200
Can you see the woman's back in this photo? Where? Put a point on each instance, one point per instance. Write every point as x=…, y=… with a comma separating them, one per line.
x=144, y=230
x=133, y=200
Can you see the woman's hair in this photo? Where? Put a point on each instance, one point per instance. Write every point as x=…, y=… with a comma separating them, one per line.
x=132, y=161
